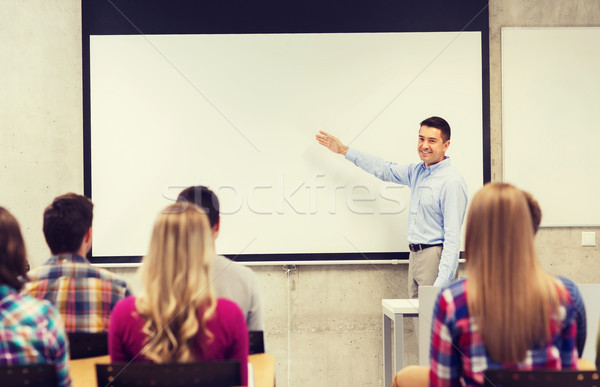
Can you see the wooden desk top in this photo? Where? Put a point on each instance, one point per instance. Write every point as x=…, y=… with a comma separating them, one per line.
x=83, y=371
x=264, y=369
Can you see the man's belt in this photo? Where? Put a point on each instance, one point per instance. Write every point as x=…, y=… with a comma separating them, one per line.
x=414, y=247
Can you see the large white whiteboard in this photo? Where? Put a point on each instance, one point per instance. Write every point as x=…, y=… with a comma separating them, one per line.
x=238, y=113
x=550, y=126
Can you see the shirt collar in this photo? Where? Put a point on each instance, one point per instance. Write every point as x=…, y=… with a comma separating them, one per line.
x=437, y=166
x=67, y=257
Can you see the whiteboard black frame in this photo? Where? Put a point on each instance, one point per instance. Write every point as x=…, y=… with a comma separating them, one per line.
x=133, y=17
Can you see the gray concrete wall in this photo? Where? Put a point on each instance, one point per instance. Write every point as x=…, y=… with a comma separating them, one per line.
x=41, y=143
x=323, y=322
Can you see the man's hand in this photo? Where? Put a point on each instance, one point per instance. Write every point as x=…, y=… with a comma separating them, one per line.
x=331, y=142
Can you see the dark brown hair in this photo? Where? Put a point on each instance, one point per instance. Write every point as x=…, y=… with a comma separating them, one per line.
x=13, y=262
x=438, y=123
x=204, y=198
x=66, y=221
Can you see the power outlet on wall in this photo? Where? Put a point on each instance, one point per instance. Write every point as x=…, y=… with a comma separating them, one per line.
x=588, y=238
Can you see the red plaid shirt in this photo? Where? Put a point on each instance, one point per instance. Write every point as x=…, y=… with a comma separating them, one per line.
x=84, y=295
x=458, y=352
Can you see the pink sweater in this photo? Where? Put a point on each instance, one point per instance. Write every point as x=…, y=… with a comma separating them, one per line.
x=228, y=326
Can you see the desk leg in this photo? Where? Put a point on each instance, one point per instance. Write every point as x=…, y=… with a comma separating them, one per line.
x=387, y=351
x=399, y=342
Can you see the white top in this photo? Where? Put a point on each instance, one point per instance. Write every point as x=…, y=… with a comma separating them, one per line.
x=392, y=307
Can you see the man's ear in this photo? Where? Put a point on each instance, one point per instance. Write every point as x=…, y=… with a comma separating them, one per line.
x=88, y=236
x=86, y=243
x=216, y=228
x=446, y=145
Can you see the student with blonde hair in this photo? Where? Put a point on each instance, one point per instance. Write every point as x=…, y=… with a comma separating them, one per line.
x=508, y=313
x=177, y=318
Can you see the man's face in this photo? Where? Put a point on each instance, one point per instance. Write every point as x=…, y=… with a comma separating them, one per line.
x=431, y=147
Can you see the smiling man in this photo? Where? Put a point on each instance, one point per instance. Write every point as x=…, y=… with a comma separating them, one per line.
x=438, y=201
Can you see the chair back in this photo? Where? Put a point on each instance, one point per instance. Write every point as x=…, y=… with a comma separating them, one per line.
x=200, y=374
x=84, y=344
x=256, y=340
x=39, y=375
x=541, y=378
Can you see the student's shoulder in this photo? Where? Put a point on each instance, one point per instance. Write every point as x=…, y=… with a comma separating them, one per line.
x=44, y=271
x=571, y=287
x=32, y=310
x=567, y=282
x=226, y=309
x=125, y=305
x=225, y=304
x=451, y=305
x=224, y=264
x=455, y=293
x=106, y=275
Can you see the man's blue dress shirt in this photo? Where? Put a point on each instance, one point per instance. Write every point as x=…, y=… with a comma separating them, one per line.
x=438, y=201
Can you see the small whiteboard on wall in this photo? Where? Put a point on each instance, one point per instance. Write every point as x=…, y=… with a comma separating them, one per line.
x=550, y=120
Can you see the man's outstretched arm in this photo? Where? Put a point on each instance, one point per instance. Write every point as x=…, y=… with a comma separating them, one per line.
x=380, y=168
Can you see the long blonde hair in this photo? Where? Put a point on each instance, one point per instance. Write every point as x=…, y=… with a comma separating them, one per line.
x=509, y=295
x=178, y=298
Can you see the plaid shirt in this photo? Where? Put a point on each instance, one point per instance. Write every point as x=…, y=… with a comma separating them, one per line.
x=31, y=332
x=84, y=294
x=580, y=313
x=458, y=352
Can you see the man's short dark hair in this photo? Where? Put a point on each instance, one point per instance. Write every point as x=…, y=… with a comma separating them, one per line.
x=66, y=222
x=438, y=123
x=12, y=252
x=203, y=198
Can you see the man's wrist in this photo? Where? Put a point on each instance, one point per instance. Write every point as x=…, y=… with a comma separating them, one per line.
x=344, y=150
